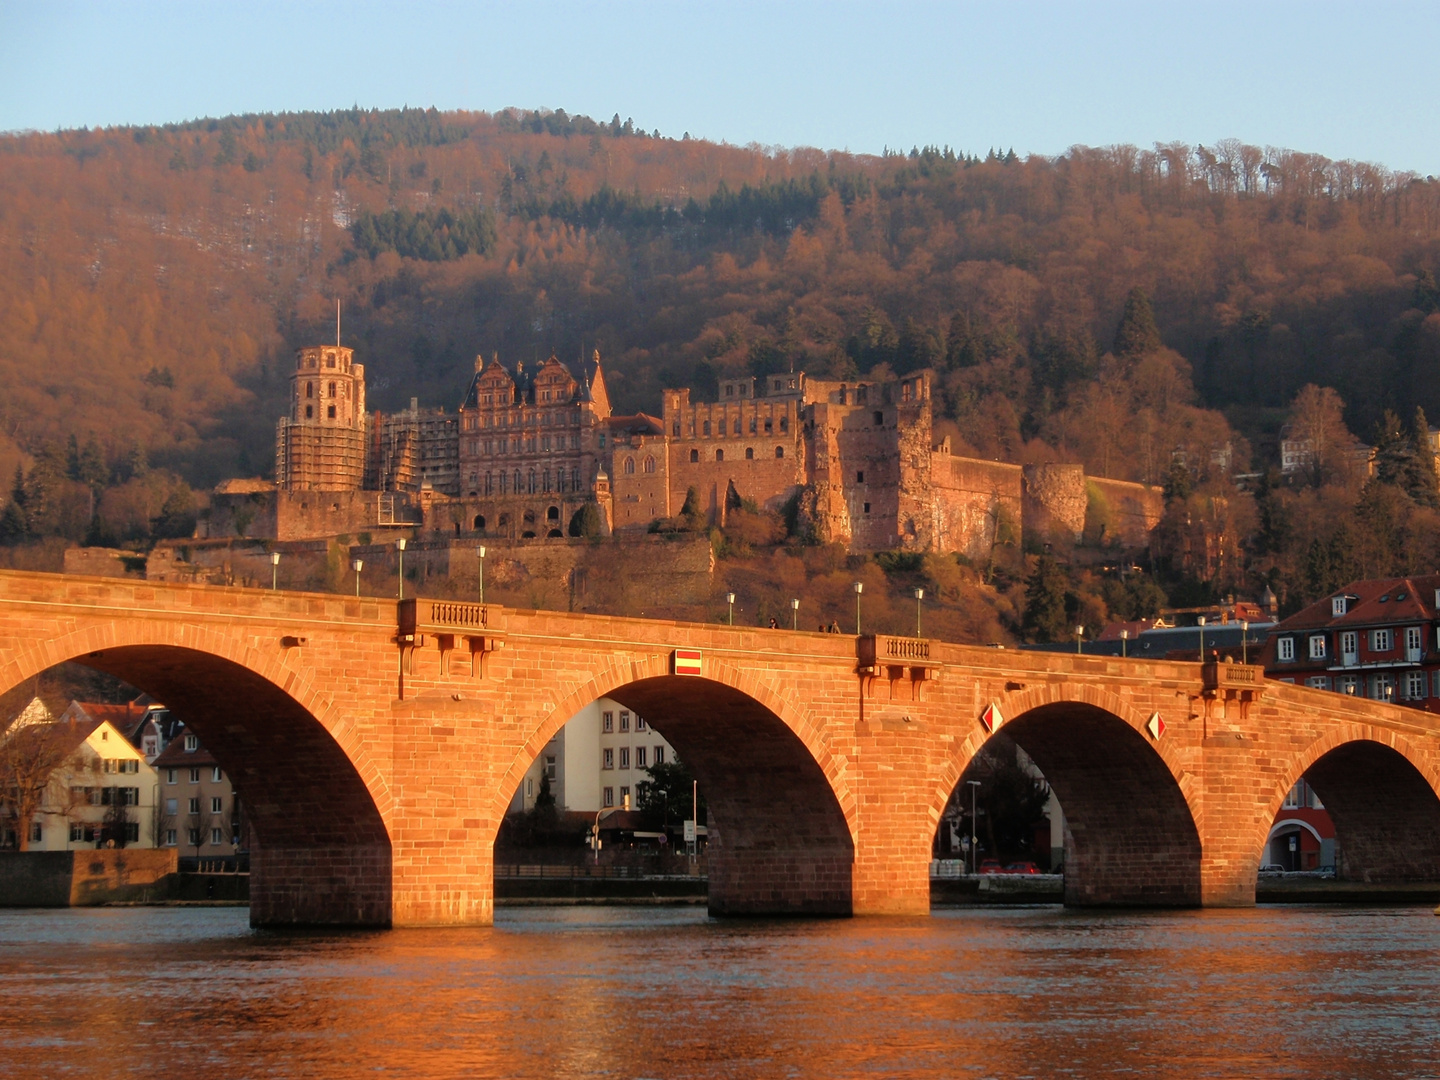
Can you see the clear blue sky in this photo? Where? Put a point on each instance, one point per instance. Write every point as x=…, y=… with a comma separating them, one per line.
x=1352, y=80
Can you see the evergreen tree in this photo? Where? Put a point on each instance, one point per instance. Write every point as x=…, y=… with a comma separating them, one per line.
x=1422, y=482
x=1137, y=333
x=586, y=522
x=1044, y=619
x=1394, y=453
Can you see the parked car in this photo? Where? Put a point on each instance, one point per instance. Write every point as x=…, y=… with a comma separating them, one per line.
x=1272, y=868
x=990, y=866
x=1024, y=866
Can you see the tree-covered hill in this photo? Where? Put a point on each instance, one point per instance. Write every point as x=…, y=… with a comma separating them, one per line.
x=153, y=282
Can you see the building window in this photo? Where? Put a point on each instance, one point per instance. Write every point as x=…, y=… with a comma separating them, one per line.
x=1414, y=685
x=694, y=455
x=1284, y=647
x=609, y=798
x=719, y=455
x=194, y=837
x=529, y=787
x=1350, y=684
x=172, y=806
x=1379, y=640
x=1349, y=646
x=768, y=425
x=779, y=451
x=860, y=477
x=195, y=805
x=624, y=720
x=170, y=775
x=550, y=766
x=629, y=466
x=660, y=754
x=191, y=744
x=607, y=758
x=624, y=757
x=37, y=833
x=649, y=464
x=1318, y=682
x=215, y=836
x=1382, y=686
x=639, y=723
x=784, y=424
x=169, y=837
x=879, y=419
x=749, y=453
x=216, y=774
x=640, y=757
x=707, y=427
x=1413, y=640
x=607, y=722
x=866, y=509
x=330, y=412
x=309, y=412
x=1337, y=605
x=217, y=804
x=1317, y=646
x=194, y=776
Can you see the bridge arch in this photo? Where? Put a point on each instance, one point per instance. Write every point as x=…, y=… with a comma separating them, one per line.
x=781, y=816
x=314, y=798
x=1382, y=792
x=1132, y=835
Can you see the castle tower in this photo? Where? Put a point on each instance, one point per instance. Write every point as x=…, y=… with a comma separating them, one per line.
x=320, y=446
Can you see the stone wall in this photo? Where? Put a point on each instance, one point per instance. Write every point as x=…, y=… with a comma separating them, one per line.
x=1127, y=511
x=976, y=505
x=1053, y=501
x=85, y=878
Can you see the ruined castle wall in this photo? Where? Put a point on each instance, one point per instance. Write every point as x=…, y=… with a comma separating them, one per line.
x=640, y=481
x=1053, y=501
x=755, y=444
x=976, y=504
x=1127, y=511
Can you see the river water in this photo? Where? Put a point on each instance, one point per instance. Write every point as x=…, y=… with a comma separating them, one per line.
x=670, y=993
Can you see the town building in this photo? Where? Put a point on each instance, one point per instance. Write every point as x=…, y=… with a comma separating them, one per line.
x=597, y=759
x=1378, y=639
x=197, y=809
x=1303, y=835
x=103, y=792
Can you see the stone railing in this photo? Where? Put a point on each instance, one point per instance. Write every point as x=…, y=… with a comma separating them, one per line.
x=421, y=616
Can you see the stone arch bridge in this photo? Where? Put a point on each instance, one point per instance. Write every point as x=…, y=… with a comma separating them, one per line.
x=378, y=745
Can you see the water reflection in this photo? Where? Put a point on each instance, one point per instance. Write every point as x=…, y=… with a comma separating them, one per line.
x=619, y=992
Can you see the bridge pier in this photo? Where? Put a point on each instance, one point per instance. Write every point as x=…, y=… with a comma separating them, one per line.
x=320, y=886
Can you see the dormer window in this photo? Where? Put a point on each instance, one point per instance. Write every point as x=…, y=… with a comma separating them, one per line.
x=1285, y=649
x=1317, y=646
x=191, y=744
x=1337, y=604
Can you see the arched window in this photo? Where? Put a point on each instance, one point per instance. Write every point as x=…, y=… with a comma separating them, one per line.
x=650, y=464
x=529, y=517
x=552, y=514
x=479, y=522
x=545, y=480
x=629, y=466
x=749, y=453
x=532, y=482
x=779, y=451
x=694, y=455
x=504, y=520
x=519, y=482
x=784, y=423
x=574, y=479
x=719, y=455
x=309, y=390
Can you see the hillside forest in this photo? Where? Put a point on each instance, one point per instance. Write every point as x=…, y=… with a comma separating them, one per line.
x=1156, y=314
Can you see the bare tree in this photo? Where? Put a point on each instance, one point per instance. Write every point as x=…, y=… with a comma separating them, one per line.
x=28, y=758
x=1318, y=424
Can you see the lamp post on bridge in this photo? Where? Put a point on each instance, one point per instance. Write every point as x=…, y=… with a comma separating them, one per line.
x=274, y=570
x=480, y=554
x=1244, y=641
x=859, y=587
x=1124, y=637
x=400, y=547
x=919, y=595
x=1079, y=638
x=730, y=599
x=1201, y=623
x=595, y=829
x=795, y=614
x=357, y=566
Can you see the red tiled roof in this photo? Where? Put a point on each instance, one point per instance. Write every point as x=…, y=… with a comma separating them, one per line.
x=1380, y=602
x=175, y=754
x=126, y=718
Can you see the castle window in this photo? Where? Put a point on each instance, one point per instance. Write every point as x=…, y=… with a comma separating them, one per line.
x=860, y=477
x=719, y=455
x=779, y=384
x=707, y=427
x=332, y=389
x=729, y=390
x=768, y=423
x=779, y=451
x=752, y=425
x=504, y=520
x=879, y=419
x=309, y=390
x=694, y=455
x=675, y=429
x=552, y=514
x=867, y=508
x=629, y=466
x=519, y=482
x=309, y=412
x=529, y=517
x=329, y=359
x=784, y=423
x=330, y=412
x=650, y=464
x=749, y=453
x=532, y=491
x=545, y=480
x=574, y=479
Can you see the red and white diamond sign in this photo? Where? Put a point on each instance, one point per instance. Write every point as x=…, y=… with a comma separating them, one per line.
x=991, y=718
x=1155, y=726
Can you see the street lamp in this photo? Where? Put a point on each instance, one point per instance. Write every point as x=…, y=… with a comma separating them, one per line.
x=1079, y=638
x=480, y=554
x=274, y=570
x=859, y=588
x=595, y=829
x=974, y=840
x=1124, y=637
x=1201, y=623
x=919, y=595
x=794, y=614
x=1244, y=641
x=357, y=566
x=730, y=599
x=400, y=547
